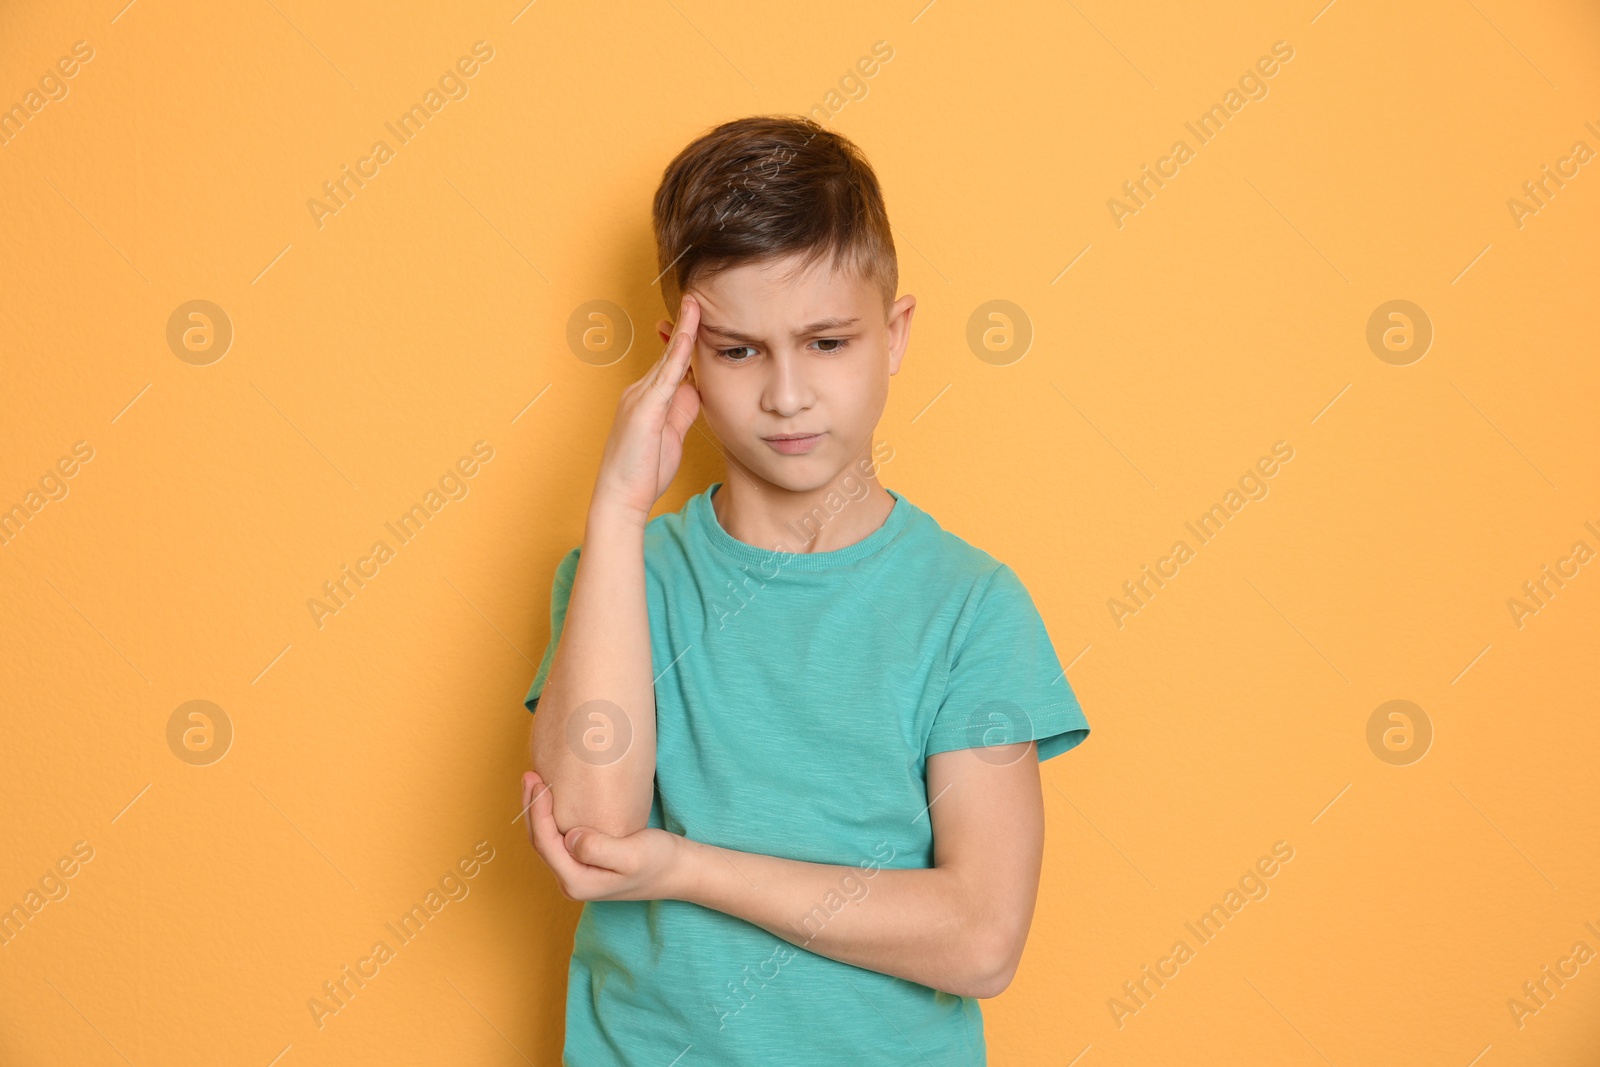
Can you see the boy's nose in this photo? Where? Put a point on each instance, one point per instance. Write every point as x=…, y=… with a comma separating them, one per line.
x=788, y=390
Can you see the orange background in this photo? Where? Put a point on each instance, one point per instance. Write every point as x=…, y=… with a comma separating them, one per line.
x=372, y=752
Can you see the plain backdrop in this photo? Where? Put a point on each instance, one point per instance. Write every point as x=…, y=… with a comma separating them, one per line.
x=1168, y=350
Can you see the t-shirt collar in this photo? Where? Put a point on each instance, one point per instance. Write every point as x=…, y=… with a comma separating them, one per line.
x=703, y=518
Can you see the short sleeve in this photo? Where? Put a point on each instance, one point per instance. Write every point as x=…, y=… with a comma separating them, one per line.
x=1006, y=683
x=560, y=593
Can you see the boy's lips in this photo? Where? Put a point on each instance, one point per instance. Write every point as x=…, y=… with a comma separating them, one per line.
x=794, y=443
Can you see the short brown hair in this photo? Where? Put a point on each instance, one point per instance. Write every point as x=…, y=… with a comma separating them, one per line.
x=764, y=187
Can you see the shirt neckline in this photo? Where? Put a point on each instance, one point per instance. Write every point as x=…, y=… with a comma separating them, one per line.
x=705, y=517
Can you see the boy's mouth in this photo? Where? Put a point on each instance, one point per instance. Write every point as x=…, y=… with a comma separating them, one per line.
x=794, y=443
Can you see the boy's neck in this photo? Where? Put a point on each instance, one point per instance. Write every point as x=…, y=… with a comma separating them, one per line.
x=759, y=513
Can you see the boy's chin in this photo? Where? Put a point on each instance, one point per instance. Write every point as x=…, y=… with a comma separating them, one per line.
x=796, y=474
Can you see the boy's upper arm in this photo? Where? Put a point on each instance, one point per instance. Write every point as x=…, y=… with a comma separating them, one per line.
x=560, y=593
x=1006, y=683
x=987, y=813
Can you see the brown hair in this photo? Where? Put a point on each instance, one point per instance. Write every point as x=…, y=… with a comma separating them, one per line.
x=764, y=187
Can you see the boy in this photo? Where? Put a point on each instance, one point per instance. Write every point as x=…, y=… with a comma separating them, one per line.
x=793, y=775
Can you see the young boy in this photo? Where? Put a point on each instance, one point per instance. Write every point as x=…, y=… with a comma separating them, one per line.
x=787, y=748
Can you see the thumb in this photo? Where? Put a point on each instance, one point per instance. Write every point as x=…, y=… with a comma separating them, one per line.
x=591, y=847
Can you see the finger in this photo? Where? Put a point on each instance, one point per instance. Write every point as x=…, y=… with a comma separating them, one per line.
x=595, y=849
x=551, y=843
x=650, y=375
x=527, y=803
x=546, y=838
x=530, y=782
x=538, y=794
x=685, y=407
x=666, y=353
x=648, y=378
x=676, y=358
x=541, y=814
x=689, y=327
x=661, y=365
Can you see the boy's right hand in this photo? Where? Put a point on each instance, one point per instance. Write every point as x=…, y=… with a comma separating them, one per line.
x=653, y=416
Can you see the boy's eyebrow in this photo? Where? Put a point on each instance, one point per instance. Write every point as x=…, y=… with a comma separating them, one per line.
x=820, y=326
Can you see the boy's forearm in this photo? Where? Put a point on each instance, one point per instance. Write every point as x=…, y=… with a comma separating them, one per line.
x=926, y=924
x=602, y=766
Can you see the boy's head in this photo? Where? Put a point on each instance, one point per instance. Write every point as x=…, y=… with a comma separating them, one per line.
x=777, y=227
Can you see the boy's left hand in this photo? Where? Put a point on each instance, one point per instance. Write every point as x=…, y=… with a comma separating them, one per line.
x=589, y=865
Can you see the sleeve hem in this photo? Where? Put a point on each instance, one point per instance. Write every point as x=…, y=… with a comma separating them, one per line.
x=1055, y=723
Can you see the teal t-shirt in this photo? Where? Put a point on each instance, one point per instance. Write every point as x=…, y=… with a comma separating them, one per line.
x=798, y=697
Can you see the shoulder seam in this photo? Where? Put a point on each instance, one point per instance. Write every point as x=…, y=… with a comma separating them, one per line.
x=982, y=597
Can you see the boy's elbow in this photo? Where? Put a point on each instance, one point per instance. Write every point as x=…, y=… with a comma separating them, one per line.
x=990, y=980
x=989, y=942
x=579, y=800
x=609, y=817
x=982, y=983
x=616, y=825
x=575, y=805
x=994, y=959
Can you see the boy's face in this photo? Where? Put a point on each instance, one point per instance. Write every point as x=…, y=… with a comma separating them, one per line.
x=809, y=353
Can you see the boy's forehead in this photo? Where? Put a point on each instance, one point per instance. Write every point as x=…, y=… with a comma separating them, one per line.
x=774, y=297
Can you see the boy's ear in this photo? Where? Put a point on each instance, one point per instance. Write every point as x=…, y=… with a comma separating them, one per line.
x=900, y=329
x=664, y=328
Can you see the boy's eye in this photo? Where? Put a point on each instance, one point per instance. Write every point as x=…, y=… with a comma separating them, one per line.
x=837, y=344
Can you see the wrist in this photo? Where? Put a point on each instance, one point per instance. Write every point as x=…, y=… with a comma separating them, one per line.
x=686, y=874
x=607, y=518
